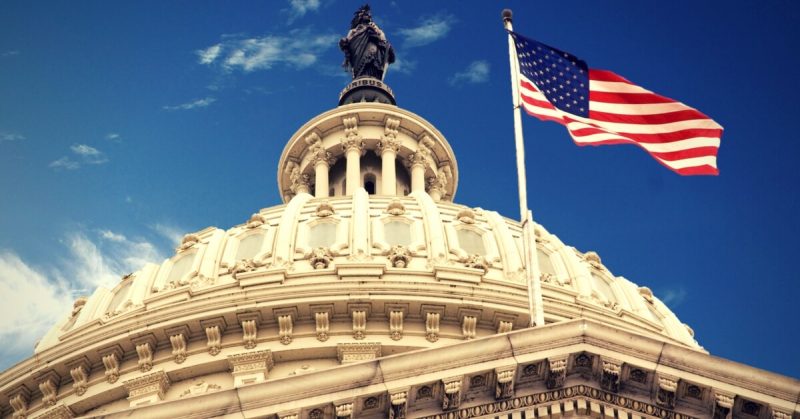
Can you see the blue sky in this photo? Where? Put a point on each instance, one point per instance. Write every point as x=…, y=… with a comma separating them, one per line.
x=119, y=133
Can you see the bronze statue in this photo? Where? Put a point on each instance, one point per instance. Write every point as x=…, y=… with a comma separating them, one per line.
x=367, y=53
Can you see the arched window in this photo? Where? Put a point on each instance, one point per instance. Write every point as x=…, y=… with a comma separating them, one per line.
x=180, y=268
x=249, y=246
x=397, y=232
x=471, y=242
x=369, y=183
x=322, y=235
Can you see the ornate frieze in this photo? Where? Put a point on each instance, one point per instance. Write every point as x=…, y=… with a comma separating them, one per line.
x=147, y=389
x=250, y=367
x=358, y=351
x=557, y=372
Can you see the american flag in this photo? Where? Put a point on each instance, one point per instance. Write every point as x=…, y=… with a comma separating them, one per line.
x=599, y=107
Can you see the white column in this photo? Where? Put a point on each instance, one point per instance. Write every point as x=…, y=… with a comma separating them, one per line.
x=417, y=176
x=388, y=172
x=321, y=178
x=353, y=155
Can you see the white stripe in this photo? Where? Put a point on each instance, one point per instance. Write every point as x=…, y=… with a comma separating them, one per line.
x=644, y=128
x=638, y=109
x=615, y=87
x=678, y=145
x=542, y=111
x=691, y=162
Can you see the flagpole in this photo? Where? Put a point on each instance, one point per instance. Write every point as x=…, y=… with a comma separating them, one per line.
x=535, y=303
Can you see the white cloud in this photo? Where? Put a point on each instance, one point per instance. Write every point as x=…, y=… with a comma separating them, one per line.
x=430, y=29
x=300, y=49
x=403, y=66
x=172, y=233
x=673, y=296
x=64, y=163
x=208, y=55
x=31, y=305
x=476, y=72
x=197, y=103
x=301, y=7
x=84, y=150
x=113, y=136
x=10, y=136
x=114, y=237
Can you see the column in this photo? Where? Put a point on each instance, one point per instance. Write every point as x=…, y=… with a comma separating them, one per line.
x=353, y=155
x=417, y=161
x=388, y=167
x=321, y=169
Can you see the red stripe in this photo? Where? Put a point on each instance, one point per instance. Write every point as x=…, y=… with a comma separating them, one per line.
x=532, y=112
x=529, y=86
x=536, y=102
x=653, y=138
x=686, y=154
x=697, y=170
x=631, y=98
x=660, y=118
x=605, y=75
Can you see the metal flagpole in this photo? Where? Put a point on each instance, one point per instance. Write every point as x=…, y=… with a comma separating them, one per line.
x=535, y=303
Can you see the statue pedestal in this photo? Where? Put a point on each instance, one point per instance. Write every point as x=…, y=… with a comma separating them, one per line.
x=366, y=89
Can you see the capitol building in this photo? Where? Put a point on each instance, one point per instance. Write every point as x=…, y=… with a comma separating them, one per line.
x=370, y=293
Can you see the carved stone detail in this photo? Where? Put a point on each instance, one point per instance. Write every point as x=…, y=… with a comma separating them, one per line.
x=432, y=327
x=214, y=339
x=399, y=256
x=451, y=398
x=344, y=411
x=466, y=216
x=200, y=387
x=324, y=209
x=322, y=325
x=144, y=351
x=188, y=242
x=780, y=414
x=357, y=351
x=504, y=387
x=504, y=326
x=396, y=207
x=285, y=328
x=249, y=333
x=646, y=294
x=111, y=364
x=178, y=343
x=19, y=399
x=397, y=405
x=298, y=181
x=244, y=265
x=256, y=220
x=557, y=372
x=396, y=324
x=359, y=324
x=320, y=258
x=469, y=326
x=58, y=412
x=665, y=394
x=609, y=379
x=723, y=403
x=148, y=388
x=80, y=379
x=475, y=261
x=250, y=367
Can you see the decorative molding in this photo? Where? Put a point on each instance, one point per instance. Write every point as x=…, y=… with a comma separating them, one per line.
x=201, y=387
x=665, y=393
x=285, y=328
x=323, y=325
x=399, y=256
x=451, y=397
x=145, y=353
x=357, y=351
x=398, y=403
x=557, y=372
x=214, y=328
x=19, y=398
x=723, y=404
x=469, y=326
x=178, y=343
x=432, y=326
x=504, y=326
x=344, y=410
x=396, y=324
x=58, y=412
x=250, y=367
x=504, y=385
x=147, y=389
x=48, y=385
x=111, y=357
x=609, y=378
x=359, y=324
x=321, y=258
x=249, y=322
x=79, y=370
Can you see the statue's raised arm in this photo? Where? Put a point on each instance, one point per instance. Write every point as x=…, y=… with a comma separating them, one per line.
x=367, y=53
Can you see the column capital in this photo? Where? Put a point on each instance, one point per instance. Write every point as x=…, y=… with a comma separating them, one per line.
x=388, y=144
x=319, y=155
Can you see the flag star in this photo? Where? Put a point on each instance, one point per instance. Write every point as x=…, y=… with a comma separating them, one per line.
x=568, y=82
x=581, y=84
x=574, y=89
x=581, y=97
x=561, y=97
x=581, y=109
x=568, y=105
x=567, y=94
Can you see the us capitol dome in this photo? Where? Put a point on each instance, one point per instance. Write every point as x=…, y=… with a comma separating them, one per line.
x=370, y=293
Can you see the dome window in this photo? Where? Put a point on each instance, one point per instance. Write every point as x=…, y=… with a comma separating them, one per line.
x=471, y=242
x=249, y=246
x=180, y=269
x=322, y=235
x=397, y=233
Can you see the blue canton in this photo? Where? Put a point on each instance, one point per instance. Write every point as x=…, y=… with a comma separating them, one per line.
x=562, y=77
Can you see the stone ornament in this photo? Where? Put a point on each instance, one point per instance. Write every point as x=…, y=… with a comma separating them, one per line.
x=665, y=394
x=201, y=387
x=452, y=393
x=396, y=208
x=594, y=259
x=111, y=364
x=723, y=403
x=359, y=324
x=399, y=256
x=396, y=324
x=609, y=379
x=80, y=379
x=178, y=343
x=397, y=405
x=48, y=385
x=324, y=209
x=476, y=261
x=188, y=242
x=358, y=351
x=250, y=367
x=243, y=266
x=147, y=389
x=320, y=258
x=344, y=411
x=144, y=351
x=646, y=294
x=213, y=339
x=432, y=326
x=19, y=399
x=466, y=216
x=469, y=326
x=322, y=325
x=249, y=333
x=256, y=220
x=504, y=387
x=557, y=372
x=285, y=329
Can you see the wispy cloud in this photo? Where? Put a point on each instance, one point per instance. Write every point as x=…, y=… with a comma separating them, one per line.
x=113, y=136
x=476, y=72
x=673, y=296
x=300, y=49
x=37, y=298
x=10, y=136
x=197, y=103
x=428, y=30
x=85, y=154
x=9, y=53
x=172, y=233
x=301, y=7
x=403, y=66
